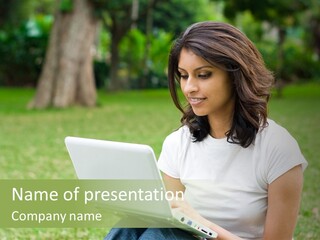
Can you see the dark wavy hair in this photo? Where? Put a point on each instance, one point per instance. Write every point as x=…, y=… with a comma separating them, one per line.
x=221, y=44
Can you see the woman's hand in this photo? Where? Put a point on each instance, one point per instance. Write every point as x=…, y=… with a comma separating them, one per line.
x=185, y=208
x=174, y=185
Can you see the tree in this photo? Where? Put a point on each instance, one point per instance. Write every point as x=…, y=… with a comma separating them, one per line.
x=312, y=24
x=67, y=74
x=14, y=12
x=119, y=26
x=281, y=14
x=151, y=17
x=24, y=29
x=119, y=17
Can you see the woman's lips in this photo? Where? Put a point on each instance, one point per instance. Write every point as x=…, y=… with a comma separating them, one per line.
x=195, y=100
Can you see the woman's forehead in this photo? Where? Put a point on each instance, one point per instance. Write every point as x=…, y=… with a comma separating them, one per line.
x=188, y=59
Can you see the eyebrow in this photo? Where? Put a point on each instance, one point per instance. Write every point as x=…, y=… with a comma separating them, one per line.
x=198, y=68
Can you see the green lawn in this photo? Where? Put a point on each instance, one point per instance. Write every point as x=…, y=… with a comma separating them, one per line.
x=32, y=143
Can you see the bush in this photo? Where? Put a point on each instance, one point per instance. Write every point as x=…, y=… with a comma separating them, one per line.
x=101, y=73
x=298, y=64
x=160, y=47
x=134, y=64
x=22, y=52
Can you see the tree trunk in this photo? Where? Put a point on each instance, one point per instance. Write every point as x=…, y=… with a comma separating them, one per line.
x=118, y=29
x=146, y=58
x=67, y=75
x=116, y=37
x=280, y=82
x=315, y=28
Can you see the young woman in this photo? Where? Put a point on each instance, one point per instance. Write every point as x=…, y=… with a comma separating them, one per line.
x=241, y=173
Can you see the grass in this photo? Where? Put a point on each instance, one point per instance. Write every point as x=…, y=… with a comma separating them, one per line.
x=32, y=144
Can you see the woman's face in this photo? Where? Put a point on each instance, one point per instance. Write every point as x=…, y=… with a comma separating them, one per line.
x=207, y=88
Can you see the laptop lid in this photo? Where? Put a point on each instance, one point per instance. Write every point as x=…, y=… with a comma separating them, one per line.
x=100, y=159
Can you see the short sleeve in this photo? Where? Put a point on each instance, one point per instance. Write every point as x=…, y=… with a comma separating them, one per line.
x=168, y=159
x=283, y=154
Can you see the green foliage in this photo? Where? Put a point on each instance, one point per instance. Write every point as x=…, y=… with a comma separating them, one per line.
x=101, y=68
x=66, y=5
x=246, y=23
x=101, y=73
x=136, y=58
x=277, y=12
x=299, y=62
x=14, y=12
x=159, y=51
x=269, y=52
x=22, y=51
x=104, y=42
x=118, y=9
x=132, y=52
x=175, y=15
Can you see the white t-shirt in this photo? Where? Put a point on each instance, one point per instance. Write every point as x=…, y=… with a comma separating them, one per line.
x=227, y=183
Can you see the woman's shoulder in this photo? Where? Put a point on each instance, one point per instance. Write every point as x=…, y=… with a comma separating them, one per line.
x=275, y=137
x=180, y=134
x=274, y=133
x=278, y=149
x=179, y=138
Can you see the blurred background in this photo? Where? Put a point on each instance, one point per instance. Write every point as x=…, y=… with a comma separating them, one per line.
x=68, y=49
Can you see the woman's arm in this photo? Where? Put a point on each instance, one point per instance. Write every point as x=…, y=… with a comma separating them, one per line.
x=283, y=206
x=284, y=195
x=174, y=185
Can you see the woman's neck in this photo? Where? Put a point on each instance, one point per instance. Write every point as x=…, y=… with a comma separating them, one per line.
x=219, y=126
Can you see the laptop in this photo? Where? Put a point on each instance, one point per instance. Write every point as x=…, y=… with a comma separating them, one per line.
x=132, y=164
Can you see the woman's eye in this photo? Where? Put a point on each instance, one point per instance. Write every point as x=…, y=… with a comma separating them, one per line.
x=184, y=77
x=204, y=75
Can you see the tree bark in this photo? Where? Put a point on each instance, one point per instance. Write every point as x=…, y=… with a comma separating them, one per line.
x=315, y=28
x=67, y=76
x=149, y=26
x=280, y=81
x=116, y=36
x=118, y=29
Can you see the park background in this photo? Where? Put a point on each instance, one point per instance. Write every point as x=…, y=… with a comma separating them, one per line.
x=97, y=68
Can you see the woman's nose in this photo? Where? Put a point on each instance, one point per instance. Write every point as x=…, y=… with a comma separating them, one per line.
x=190, y=85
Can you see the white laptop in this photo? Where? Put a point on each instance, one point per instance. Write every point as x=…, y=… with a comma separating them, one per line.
x=100, y=159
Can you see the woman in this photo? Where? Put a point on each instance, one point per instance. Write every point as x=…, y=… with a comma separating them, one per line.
x=241, y=173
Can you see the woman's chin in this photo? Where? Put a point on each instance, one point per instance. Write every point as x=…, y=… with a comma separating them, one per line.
x=200, y=113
